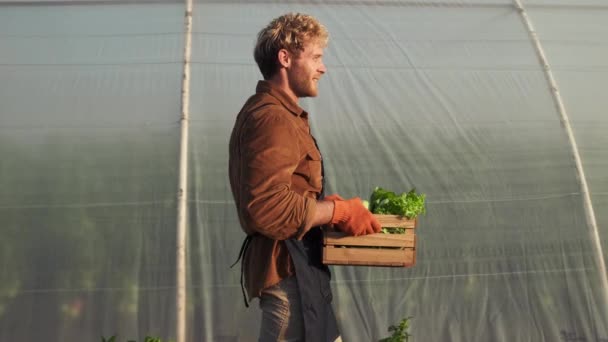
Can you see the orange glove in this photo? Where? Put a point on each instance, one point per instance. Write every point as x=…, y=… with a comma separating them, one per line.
x=350, y=216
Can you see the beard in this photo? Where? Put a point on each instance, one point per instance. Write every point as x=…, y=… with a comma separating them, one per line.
x=304, y=86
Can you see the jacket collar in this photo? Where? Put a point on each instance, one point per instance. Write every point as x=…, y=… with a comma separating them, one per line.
x=279, y=94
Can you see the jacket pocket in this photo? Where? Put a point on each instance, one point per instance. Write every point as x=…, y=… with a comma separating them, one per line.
x=314, y=161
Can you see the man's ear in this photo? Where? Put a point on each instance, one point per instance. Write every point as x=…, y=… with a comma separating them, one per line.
x=284, y=58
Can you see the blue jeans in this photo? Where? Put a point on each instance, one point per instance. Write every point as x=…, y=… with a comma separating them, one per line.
x=282, y=313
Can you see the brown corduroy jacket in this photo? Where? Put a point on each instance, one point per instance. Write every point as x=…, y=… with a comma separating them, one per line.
x=275, y=177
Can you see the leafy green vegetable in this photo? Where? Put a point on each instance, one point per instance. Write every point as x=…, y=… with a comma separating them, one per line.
x=386, y=202
x=393, y=230
x=400, y=332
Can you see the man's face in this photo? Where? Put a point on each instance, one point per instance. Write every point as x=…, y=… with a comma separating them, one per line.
x=306, y=70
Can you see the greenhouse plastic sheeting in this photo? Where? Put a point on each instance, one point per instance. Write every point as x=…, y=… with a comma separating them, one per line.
x=447, y=97
x=89, y=132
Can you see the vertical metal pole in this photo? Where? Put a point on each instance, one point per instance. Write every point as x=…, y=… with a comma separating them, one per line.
x=182, y=191
x=565, y=121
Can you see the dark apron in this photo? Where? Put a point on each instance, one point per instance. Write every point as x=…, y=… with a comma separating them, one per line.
x=313, y=284
x=313, y=281
x=315, y=291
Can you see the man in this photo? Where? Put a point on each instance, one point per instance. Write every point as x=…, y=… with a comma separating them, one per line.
x=276, y=177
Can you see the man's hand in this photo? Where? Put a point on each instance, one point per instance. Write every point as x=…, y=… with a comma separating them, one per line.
x=350, y=216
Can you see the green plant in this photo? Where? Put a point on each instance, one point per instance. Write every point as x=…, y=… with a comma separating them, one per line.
x=408, y=204
x=400, y=332
x=385, y=202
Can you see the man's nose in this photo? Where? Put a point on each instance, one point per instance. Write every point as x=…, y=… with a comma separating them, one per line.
x=322, y=68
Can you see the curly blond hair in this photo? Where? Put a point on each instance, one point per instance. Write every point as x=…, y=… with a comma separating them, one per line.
x=289, y=31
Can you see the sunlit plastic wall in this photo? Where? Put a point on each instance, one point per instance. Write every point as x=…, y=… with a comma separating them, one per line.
x=451, y=99
x=89, y=131
x=576, y=39
x=446, y=97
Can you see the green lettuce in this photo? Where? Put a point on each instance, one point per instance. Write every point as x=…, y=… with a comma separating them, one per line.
x=386, y=202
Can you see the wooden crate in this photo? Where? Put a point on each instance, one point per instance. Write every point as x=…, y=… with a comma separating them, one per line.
x=395, y=250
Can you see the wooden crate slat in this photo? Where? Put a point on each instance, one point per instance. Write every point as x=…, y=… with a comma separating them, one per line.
x=369, y=257
x=393, y=250
x=379, y=239
x=395, y=221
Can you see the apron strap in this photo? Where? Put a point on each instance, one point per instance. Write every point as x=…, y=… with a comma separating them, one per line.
x=244, y=247
x=322, y=194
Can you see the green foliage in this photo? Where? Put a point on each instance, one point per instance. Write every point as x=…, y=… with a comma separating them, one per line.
x=152, y=339
x=393, y=230
x=400, y=332
x=146, y=339
x=386, y=202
